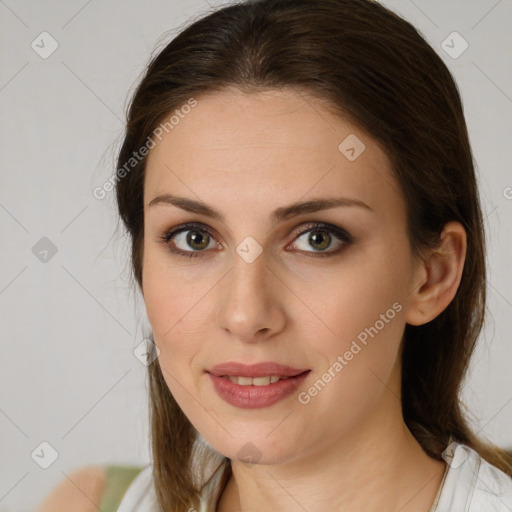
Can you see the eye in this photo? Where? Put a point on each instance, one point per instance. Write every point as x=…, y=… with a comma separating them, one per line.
x=188, y=236
x=320, y=238
x=199, y=238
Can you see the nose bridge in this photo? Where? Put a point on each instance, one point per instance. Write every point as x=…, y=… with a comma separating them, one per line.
x=250, y=272
x=249, y=304
x=248, y=283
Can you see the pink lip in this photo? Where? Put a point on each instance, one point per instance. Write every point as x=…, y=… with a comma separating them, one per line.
x=254, y=397
x=265, y=369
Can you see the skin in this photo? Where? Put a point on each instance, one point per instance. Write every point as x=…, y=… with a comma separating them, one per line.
x=247, y=154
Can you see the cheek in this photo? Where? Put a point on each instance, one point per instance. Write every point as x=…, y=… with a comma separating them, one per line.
x=364, y=310
x=164, y=293
x=358, y=296
x=171, y=306
x=177, y=310
x=359, y=365
x=166, y=305
x=166, y=314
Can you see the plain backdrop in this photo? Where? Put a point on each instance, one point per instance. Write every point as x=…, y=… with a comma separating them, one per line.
x=69, y=318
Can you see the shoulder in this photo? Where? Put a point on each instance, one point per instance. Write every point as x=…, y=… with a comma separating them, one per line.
x=473, y=485
x=493, y=489
x=141, y=495
x=79, y=491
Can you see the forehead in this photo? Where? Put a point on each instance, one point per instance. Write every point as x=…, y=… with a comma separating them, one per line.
x=266, y=148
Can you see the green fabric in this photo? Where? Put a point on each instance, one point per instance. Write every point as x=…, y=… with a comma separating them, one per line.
x=117, y=481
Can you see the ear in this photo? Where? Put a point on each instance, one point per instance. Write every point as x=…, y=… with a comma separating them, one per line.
x=439, y=276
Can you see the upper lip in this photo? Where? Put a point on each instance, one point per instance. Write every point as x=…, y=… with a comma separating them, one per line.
x=264, y=369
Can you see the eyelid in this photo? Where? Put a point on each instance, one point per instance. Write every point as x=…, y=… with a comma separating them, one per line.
x=324, y=226
x=187, y=226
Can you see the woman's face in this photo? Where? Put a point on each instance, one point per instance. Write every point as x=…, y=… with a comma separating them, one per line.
x=260, y=287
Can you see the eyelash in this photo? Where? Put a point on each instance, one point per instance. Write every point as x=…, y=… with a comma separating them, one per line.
x=320, y=227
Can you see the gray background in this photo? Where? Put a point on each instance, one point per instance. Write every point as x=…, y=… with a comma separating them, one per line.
x=68, y=375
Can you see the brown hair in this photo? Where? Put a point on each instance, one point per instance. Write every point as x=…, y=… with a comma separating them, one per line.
x=376, y=70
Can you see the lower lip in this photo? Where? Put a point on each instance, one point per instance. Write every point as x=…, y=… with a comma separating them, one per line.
x=255, y=397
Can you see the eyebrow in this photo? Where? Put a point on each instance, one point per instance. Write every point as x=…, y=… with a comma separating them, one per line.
x=278, y=215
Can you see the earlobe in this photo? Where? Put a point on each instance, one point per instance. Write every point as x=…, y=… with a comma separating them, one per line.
x=443, y=268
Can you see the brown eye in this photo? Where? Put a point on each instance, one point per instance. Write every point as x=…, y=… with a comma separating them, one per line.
x=321, y=237
x=188, y=240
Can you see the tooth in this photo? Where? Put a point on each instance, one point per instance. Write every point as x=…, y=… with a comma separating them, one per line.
x=261, y=381
x=255, y=381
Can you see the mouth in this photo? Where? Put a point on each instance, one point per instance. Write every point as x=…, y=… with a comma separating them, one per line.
x=256, y=391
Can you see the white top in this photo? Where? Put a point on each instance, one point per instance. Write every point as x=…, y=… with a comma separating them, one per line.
x=470, y=484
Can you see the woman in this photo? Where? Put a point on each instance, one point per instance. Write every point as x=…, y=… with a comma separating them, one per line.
x=298, y=185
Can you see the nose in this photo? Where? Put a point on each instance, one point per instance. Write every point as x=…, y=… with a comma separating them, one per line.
x=251, y=301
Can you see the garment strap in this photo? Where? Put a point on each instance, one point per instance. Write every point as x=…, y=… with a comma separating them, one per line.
x=117, y=480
